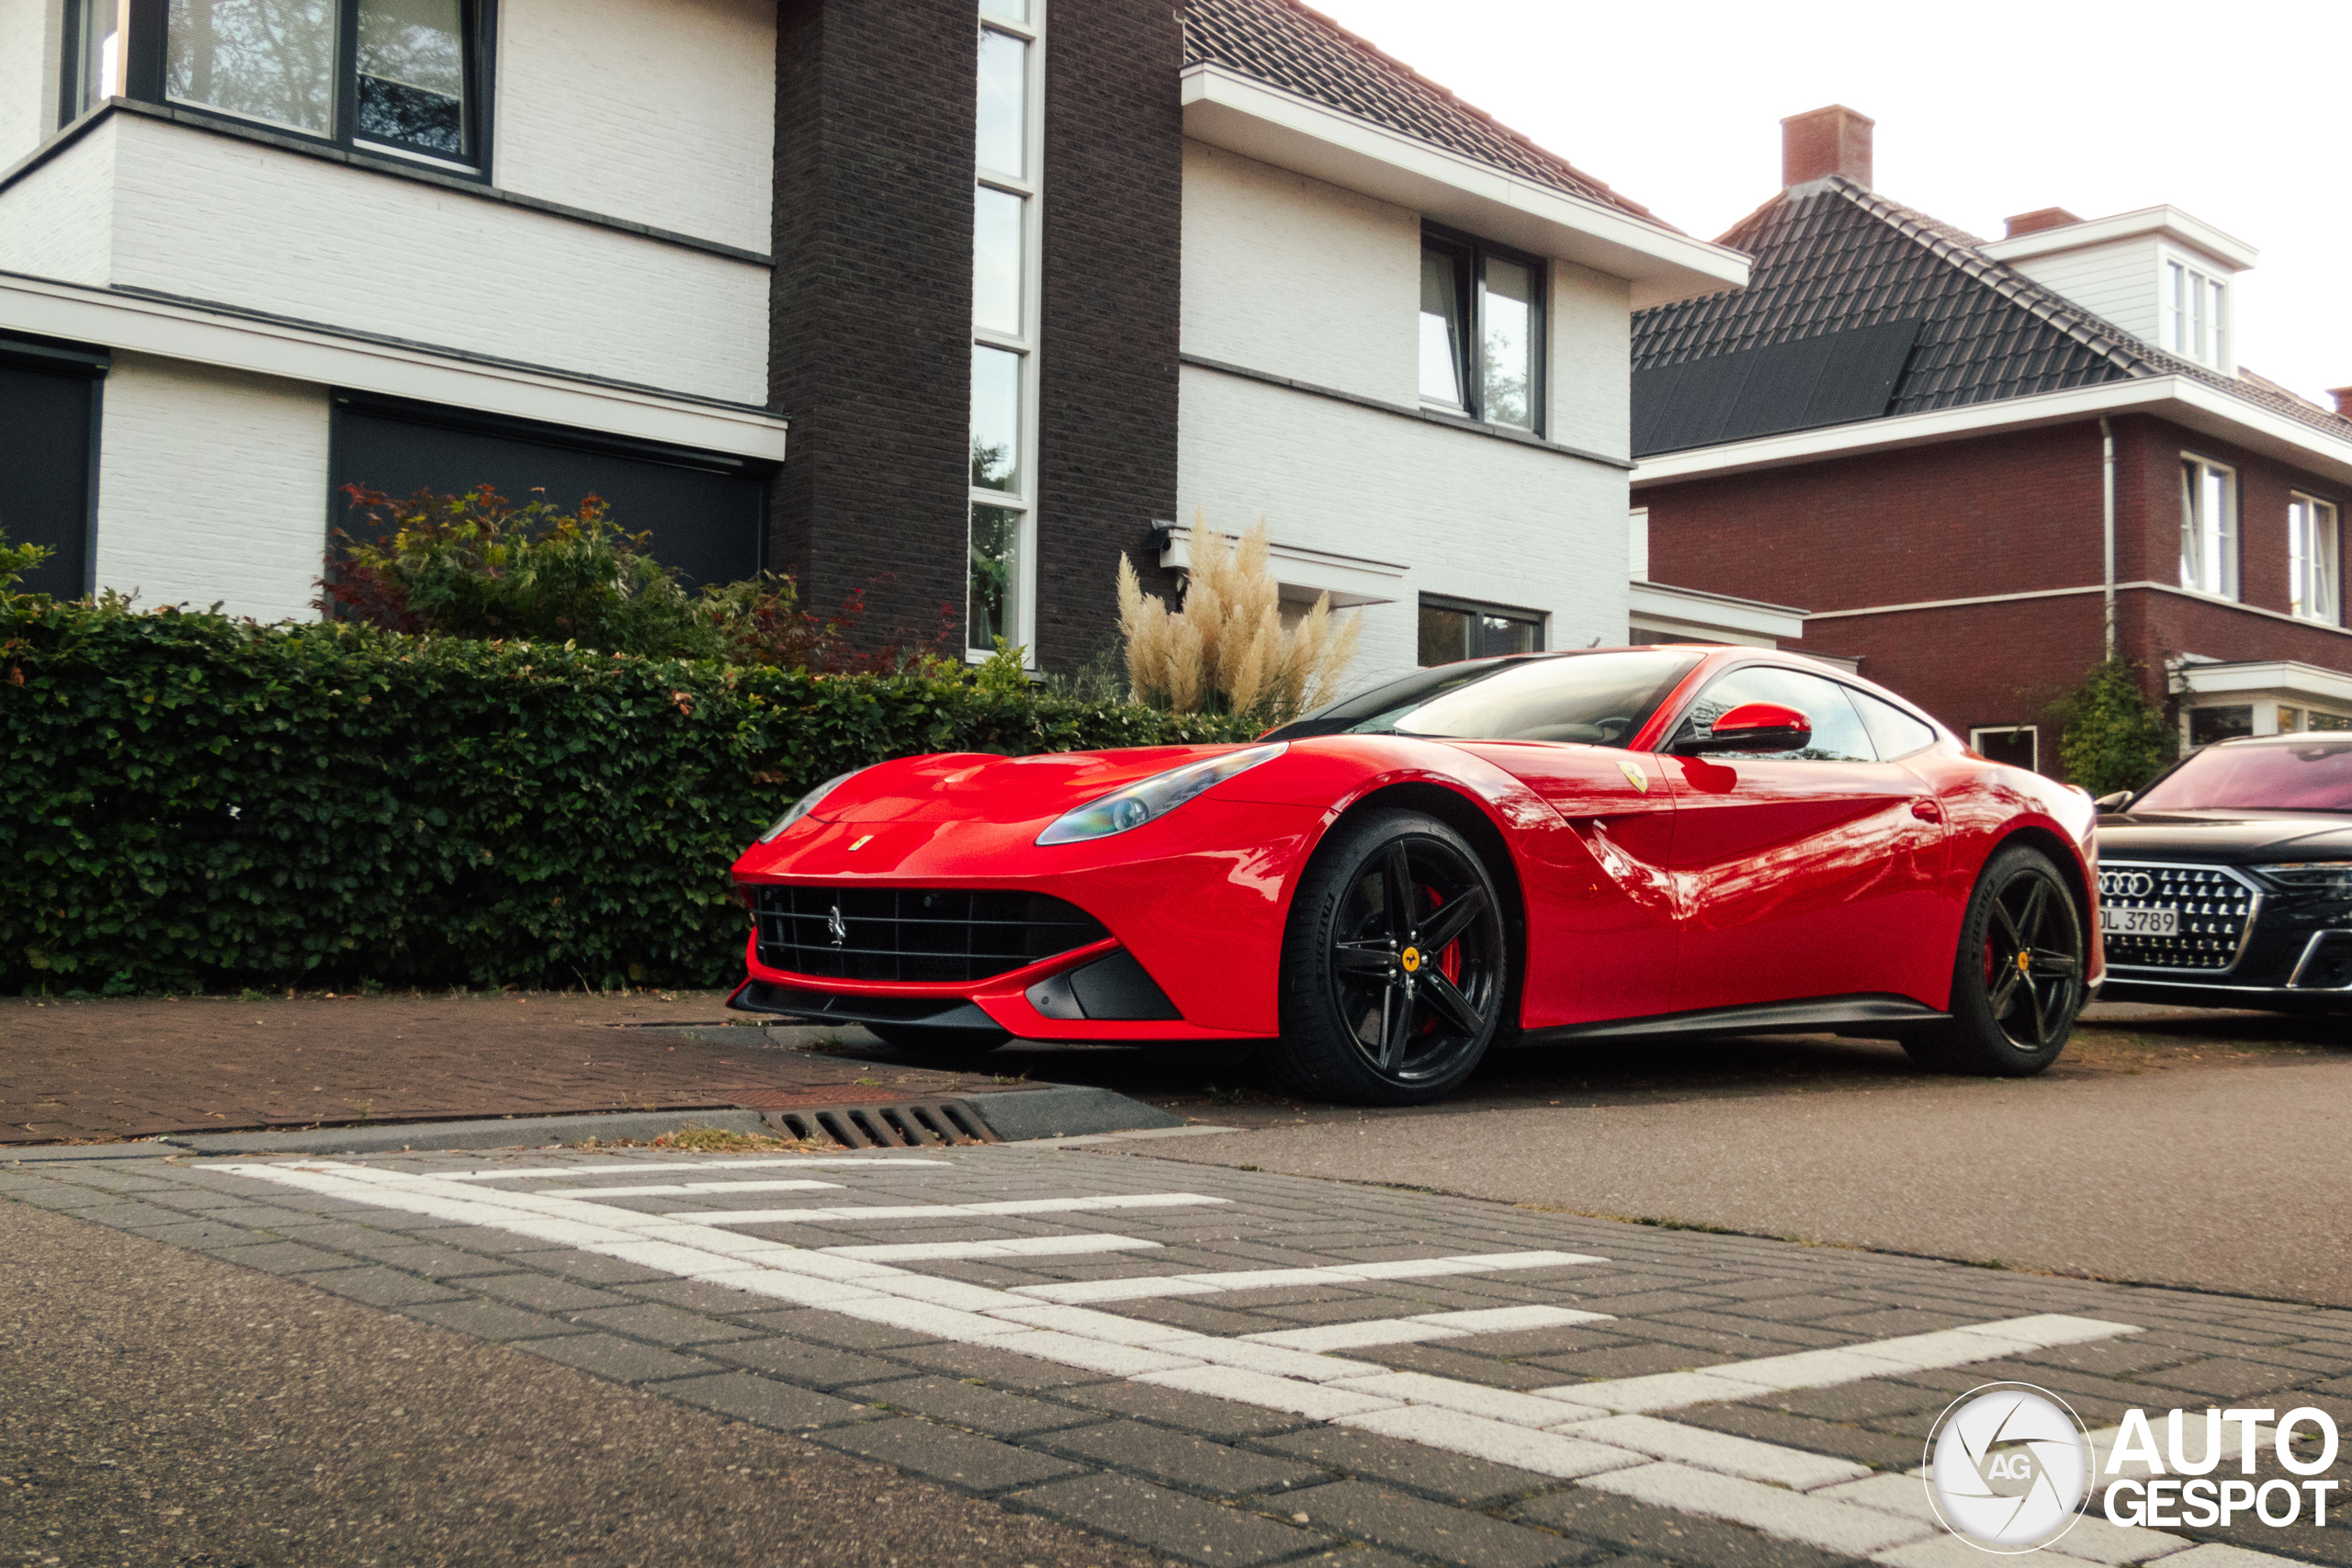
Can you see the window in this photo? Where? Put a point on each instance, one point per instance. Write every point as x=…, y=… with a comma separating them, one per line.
x=399, y=76
x=1482, y=331
x=1837, y=732
x=707, y=511
x=1597, y=699
x=2019, y=745
x=2193, y=302
x=48, y=431
x=2314, y=569
x=1894, y=733
x=2303, y=721
x=1008, y=123
x=2209, y=528
x=93, y=55
x=2207, y=724
x=1457, y=628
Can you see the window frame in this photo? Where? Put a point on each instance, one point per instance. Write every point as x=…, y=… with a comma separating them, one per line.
x=2032, y=731
x=1540, y=619
x=2172, y=321
x=2227, y=557
x=1470, y=362
x=2305, y=571
x=143, y=65
x=1027, y=342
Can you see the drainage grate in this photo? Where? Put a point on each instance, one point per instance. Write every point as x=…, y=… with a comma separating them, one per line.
x=906, y=1126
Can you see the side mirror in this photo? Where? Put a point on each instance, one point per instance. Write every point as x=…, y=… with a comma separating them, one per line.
x=2119, y=801
x=1754, y=726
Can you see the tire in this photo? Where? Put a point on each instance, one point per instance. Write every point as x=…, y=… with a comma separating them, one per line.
x=2008, y=1020
x=938, y=1044
x=1375, y=1015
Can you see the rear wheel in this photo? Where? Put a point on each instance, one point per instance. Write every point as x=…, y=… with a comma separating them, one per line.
x=939, y=1044
x=1395, y=966
x=2019, y=975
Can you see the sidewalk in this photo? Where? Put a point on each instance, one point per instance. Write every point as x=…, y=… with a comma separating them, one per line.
x=74, y=1071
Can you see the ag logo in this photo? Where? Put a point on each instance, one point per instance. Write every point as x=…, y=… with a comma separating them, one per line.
x=2009, y=1468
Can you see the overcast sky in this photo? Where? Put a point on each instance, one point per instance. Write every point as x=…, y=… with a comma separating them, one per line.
x=2228, y=109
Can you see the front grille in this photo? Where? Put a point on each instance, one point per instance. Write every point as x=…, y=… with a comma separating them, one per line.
x=2217, y=907
x=913, y=933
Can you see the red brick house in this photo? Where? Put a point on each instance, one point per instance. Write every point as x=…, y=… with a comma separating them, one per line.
x=1978, y=465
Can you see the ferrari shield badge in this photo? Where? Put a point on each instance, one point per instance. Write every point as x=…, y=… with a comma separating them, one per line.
x=1634, y=777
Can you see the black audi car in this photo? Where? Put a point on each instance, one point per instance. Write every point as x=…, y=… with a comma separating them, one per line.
x=2228, y=881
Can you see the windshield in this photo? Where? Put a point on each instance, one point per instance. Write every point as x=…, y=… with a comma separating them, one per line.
x=1600, y=699
x=2314, y=777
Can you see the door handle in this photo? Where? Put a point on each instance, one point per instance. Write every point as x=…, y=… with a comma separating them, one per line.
x=1928, y=808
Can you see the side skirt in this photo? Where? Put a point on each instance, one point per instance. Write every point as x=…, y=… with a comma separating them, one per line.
x=1870, y=1016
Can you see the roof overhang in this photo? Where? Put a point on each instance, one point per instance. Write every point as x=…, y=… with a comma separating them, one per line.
x=1305, y=574
x=2162, y=223
x=2190, y=403
x=1243, y=115
x=2254, y=678
x=1687, y=612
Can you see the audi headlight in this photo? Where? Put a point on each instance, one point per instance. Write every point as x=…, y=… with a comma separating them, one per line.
x=2329, y=878
x=1155, y=796
x=807, y=802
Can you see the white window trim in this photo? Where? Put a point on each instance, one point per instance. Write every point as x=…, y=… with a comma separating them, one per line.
x=2319, y=505
x=1977, y=738
x=2225, y=357
x=1026, y=342
x=2232, y=590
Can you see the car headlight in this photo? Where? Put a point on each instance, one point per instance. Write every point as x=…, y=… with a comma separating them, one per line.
x=1155, y=796
x=807, y=802
x=2330, y=878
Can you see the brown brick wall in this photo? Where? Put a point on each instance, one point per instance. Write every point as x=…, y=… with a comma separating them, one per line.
x=2009, y=513
x=1113, y=192
x=871, y=331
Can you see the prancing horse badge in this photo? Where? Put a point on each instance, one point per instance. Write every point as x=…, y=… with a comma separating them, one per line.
x=1634, y=777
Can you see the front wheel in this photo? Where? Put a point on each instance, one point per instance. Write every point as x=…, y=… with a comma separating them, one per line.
x=2018, y=979
x=1395, y=966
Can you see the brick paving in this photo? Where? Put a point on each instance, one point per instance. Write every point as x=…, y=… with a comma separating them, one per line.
x=76, y=1071
x=1213, y=1473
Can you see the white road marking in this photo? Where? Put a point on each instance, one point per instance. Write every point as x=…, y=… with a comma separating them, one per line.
x=634, y=1167
x=852, y=1211
x=688, y=1188
x=1568, y=1431
x=1423, y=1326
x=1263, y=1278
x=1011, y=1247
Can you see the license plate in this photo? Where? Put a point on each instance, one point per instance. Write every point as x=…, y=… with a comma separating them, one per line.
x=2139, y=922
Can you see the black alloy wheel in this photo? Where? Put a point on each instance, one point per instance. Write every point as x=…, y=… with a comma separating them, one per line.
x=1395, y=965
x=2020, y=977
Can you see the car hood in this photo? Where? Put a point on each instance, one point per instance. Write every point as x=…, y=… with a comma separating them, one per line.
x=2227, y=837
x=980, y=786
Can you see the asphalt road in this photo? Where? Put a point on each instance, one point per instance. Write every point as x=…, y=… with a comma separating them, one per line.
x=161, y=1406
x=2168, y=1146
x=2207, y=1151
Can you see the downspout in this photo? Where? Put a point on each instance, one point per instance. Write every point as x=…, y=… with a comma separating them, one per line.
x=2107, y=525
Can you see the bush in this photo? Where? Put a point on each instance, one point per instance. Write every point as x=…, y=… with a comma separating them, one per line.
x=189, y=801
x=2115, y=738
x=1225, y=651
x=479, y=565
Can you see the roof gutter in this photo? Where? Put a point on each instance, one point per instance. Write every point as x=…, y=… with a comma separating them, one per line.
x=2190, y=403
x=1226, y=108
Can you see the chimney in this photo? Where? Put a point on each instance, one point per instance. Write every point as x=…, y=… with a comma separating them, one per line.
x=1834, y=140
x=2034, y=222
x=2343, y=395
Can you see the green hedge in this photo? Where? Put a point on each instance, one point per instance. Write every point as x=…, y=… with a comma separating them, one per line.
x=192, y=802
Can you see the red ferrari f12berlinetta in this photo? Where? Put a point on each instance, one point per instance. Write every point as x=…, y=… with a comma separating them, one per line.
x=1541, y=849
